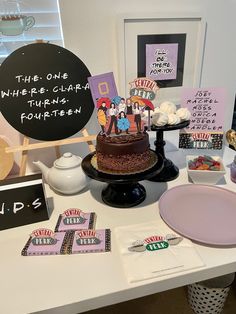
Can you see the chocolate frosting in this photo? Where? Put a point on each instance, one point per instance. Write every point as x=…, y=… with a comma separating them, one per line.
x=122, y=144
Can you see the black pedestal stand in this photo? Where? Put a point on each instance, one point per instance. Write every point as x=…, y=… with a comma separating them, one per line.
x=122, y=191
x=124, y=195
x=170, y=171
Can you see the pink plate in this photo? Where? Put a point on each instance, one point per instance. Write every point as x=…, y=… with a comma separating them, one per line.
x=201, y=212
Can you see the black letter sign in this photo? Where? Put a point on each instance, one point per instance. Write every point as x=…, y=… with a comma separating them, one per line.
x=22, y=201
x=44, y=92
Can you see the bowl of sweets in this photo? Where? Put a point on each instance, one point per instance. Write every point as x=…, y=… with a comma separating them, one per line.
x=205, y=169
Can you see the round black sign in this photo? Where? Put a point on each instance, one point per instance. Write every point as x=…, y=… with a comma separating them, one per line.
x=44, y=92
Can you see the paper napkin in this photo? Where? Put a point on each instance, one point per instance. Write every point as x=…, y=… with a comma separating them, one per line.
x=158, y=257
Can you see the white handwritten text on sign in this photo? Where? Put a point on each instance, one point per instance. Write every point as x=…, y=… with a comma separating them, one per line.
x=45, y=94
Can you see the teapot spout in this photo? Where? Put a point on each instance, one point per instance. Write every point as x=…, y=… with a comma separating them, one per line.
x=44, y=169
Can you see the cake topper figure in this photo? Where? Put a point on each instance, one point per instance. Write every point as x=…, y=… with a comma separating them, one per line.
x=140, y=106
x=123, y=123
x=102, y=104
x=122, y=105
x=137, y=116
x=113, y=111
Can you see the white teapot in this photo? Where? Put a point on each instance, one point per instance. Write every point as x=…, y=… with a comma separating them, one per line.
x=66, y=176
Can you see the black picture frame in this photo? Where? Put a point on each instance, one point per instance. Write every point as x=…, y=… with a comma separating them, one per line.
x=143, y=40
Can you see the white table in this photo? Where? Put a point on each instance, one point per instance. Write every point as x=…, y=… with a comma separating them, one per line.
x=77, y=283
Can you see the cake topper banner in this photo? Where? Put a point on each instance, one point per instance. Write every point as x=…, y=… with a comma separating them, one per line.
x=120, y=115
x=102, y=85
x=207, y=106
x=45, y=94
x=144, y=87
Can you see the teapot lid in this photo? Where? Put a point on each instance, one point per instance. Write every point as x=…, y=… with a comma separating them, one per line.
x=67, y=160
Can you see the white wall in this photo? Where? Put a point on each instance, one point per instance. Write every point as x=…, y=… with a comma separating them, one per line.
x=90, y=31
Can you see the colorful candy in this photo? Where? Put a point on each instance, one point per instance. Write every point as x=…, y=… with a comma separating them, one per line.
x=204, y=163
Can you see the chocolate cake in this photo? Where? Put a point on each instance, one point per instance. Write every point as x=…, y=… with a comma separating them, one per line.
x=124, y=153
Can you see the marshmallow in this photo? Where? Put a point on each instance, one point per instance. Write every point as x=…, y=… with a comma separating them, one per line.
x=168, y=107
x=183, y=113
x=173, y=119
x=160, y=119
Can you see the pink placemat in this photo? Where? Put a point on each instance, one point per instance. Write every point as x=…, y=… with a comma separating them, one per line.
x=202, y=213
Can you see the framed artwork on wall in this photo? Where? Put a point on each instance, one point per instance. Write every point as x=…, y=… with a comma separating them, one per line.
x=161, y=58
x=168, y=48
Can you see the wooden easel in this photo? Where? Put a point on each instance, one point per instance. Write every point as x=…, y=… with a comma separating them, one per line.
x=26, y=146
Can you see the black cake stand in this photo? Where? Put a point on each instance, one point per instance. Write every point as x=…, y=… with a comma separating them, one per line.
x=170, y=171
x=123, y=190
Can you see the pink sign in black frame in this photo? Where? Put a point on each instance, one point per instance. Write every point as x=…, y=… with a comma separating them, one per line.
x=144, y=41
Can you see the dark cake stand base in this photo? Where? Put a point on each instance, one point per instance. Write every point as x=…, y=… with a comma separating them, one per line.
x=170, y=171
x=122, y=191
x=124, y=195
